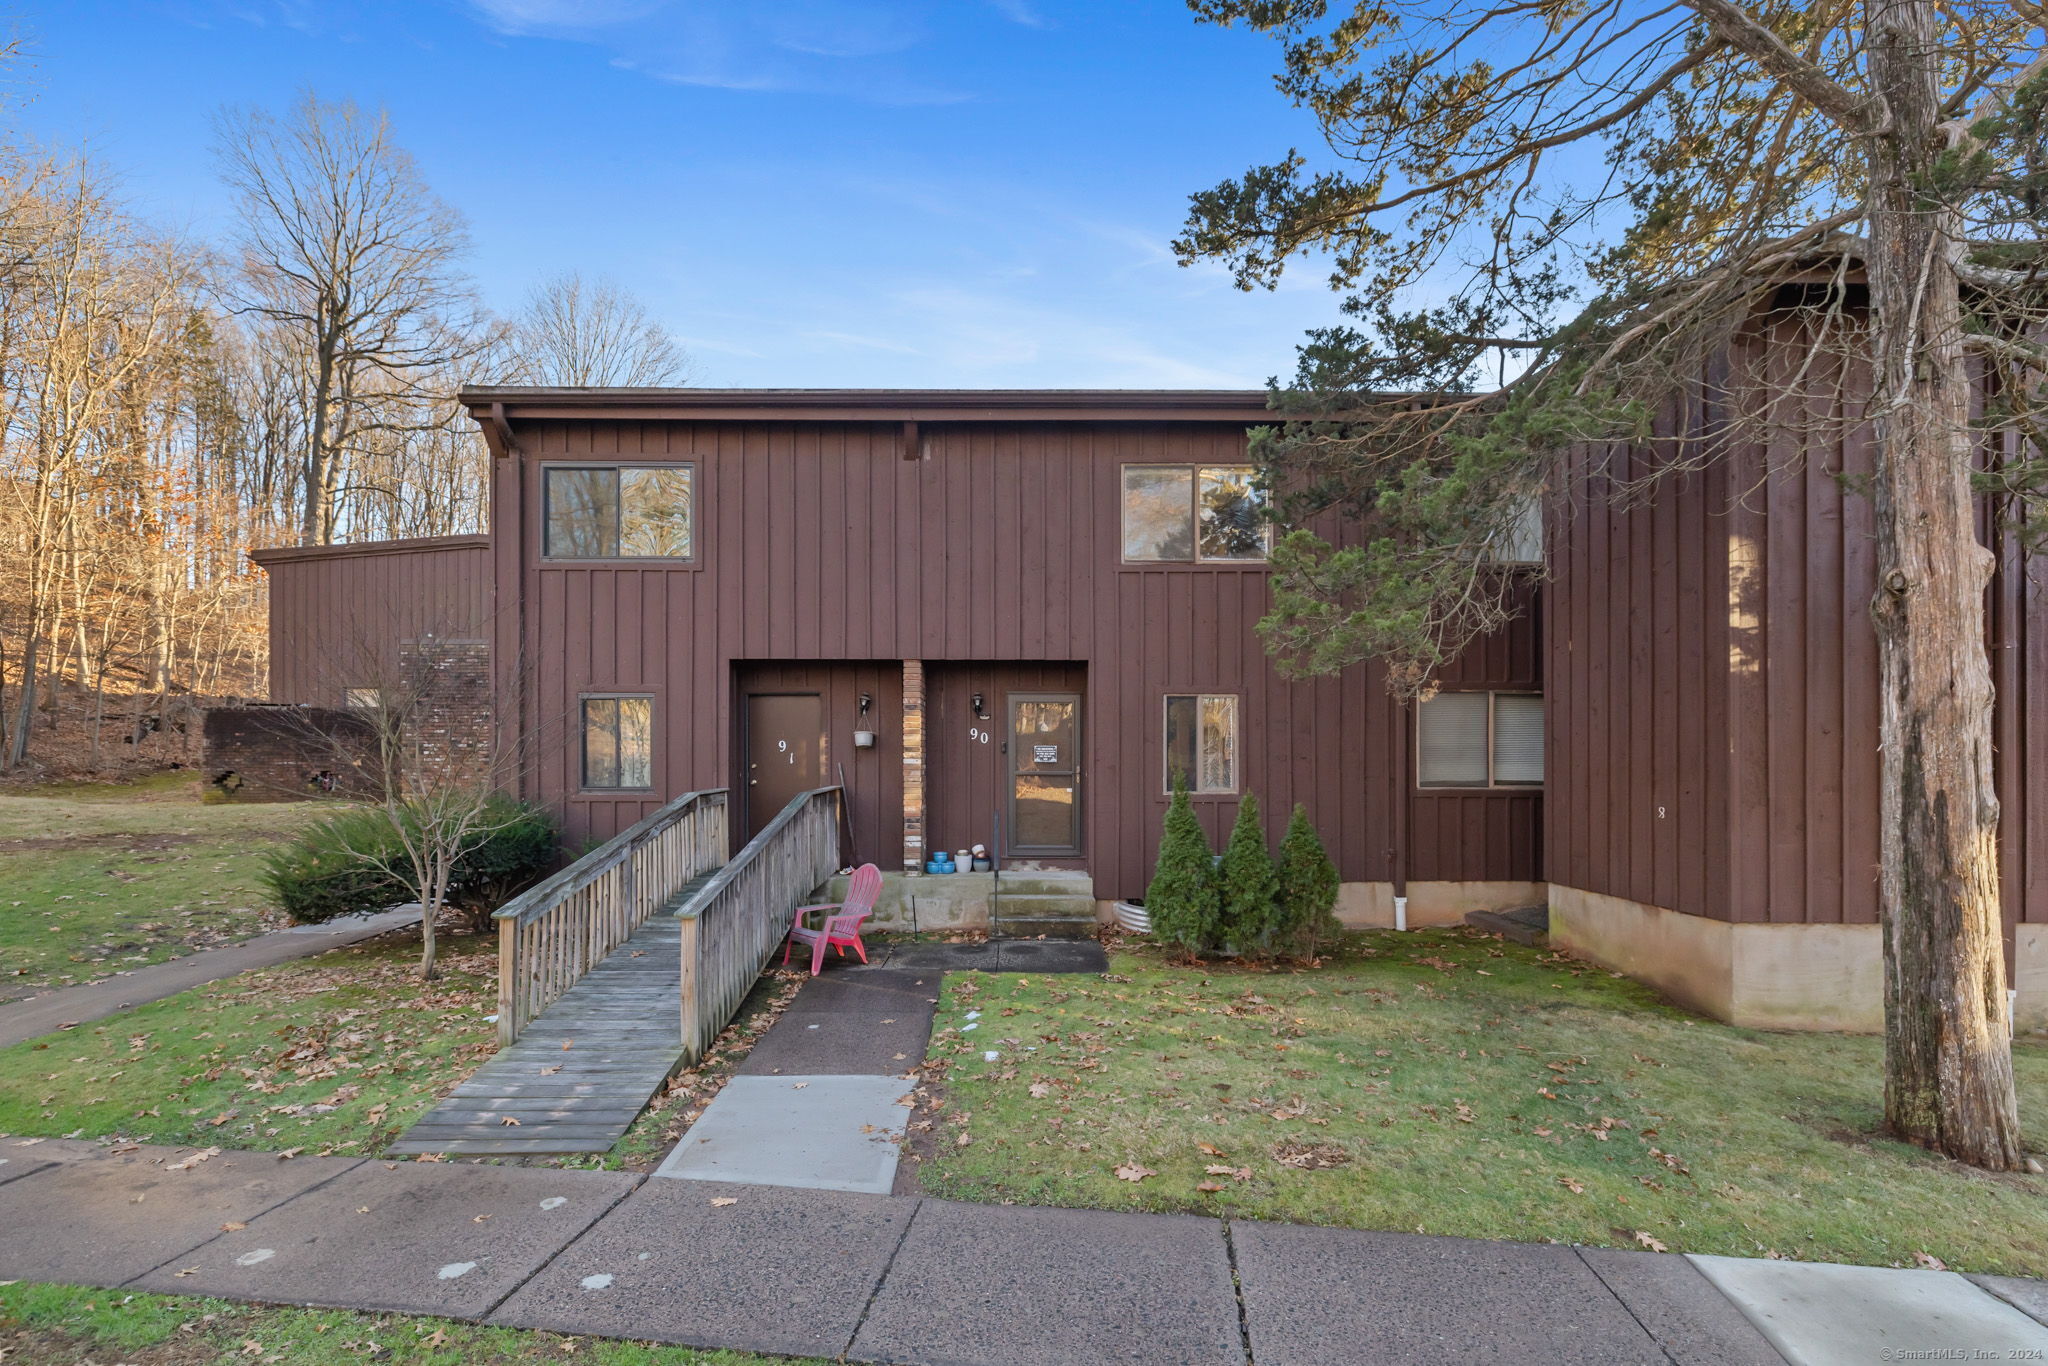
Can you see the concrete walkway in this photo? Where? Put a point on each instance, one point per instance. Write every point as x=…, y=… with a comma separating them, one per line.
x=35, y=1016
x=821, y=1101
x=937, y=1283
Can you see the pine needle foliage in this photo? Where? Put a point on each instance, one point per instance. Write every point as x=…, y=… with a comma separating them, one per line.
x=1250, y=884
x=1182, y=898
x=1308, y=891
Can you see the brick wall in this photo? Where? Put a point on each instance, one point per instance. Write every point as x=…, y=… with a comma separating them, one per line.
x=449, y=728
x=913, y=765
x=287, y=754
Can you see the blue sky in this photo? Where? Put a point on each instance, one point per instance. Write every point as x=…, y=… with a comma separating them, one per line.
x=808, y=192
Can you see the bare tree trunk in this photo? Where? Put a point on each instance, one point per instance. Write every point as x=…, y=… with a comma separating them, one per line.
x=1948, y=1059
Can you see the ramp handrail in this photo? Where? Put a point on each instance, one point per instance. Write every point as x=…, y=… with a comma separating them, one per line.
x=554, y=932
x=735, y=922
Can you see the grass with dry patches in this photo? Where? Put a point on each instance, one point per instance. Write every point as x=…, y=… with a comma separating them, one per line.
x=108, y=878
x=337, y=1053
x=1449, y=1082
x=61, y=1325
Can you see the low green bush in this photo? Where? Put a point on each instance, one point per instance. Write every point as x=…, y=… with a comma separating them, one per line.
x=340, y=865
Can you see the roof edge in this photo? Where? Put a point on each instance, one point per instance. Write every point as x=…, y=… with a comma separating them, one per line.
x=872, y=405
x=297, y=554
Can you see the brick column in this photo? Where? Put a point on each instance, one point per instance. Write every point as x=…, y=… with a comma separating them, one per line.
x=913, y=765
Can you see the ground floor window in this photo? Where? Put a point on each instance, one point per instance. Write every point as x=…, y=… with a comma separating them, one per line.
x=618, y=742
x=1201, y=741
x=1480, y=739
x=362, y=699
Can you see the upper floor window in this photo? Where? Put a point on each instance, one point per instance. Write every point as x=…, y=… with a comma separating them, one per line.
x=1480, y=739
x=1523, y=542
x=1193, y=513
x=615, y=512
x=1201, y=741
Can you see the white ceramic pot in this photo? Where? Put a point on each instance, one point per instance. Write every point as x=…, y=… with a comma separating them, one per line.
x=1132, y=917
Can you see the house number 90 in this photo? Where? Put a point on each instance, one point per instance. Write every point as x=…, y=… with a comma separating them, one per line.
x=977, y=734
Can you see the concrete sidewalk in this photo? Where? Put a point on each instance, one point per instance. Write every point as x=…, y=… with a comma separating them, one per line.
x=34, y=1016
x=937, y=1283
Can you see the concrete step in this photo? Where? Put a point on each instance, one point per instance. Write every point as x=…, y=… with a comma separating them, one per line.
x=1010, y=905
x=1009, y=926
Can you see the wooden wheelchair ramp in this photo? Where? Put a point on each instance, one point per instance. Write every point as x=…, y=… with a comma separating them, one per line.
x=623, y=967
x=581, y=1073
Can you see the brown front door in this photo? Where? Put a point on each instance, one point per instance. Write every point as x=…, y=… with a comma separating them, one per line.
x=1045, y=774
x=785, y=752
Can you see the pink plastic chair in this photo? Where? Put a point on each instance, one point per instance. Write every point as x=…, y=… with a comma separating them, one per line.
x=841, y=931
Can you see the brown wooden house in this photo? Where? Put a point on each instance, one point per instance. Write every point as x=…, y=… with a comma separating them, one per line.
x=1006, y=617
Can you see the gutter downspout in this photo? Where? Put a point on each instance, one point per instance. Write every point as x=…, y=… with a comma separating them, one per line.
x=1404, y=797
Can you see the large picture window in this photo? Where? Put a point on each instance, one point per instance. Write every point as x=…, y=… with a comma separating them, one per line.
x=618, y=743
x=1192, y=514
x=1480, y=739
x=631, y=512
x=1201, y=741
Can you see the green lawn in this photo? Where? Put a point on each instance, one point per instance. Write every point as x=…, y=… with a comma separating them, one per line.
x=109, y=878
x=1446, y=1082
x=58, y=1325
x=331, y=1054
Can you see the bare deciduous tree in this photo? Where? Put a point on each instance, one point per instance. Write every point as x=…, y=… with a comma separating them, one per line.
x=354, y=261
x=591, y=333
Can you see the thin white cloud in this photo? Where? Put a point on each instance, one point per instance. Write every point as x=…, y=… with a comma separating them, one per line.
x=851, y=48
x=1020, y=12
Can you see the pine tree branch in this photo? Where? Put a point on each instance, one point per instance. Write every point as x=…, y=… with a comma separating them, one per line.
x=1733, y=26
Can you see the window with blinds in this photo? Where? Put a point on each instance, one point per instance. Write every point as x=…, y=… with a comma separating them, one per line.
x=1480, y=739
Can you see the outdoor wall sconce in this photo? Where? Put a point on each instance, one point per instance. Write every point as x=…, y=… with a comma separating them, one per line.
x=864, y=739
x=979, y=713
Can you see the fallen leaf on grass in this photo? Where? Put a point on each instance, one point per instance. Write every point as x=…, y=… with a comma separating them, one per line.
x=440, y=1336
x=1649, y=1242
x=1930, y=1261
x=721, y=1201
x=1311, y=1156
x=963, y=1140
x=1212, y=1150
x=1040, y=1090
x=1131, y=1171
x=1209, y=1187
x=1573, y=1186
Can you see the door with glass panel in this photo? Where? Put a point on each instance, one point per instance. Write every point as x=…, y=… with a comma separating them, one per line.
x=1045, y=774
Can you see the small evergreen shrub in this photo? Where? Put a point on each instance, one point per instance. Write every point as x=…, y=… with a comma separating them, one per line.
x=1181, y=899
x=1307, y=891
x=333, y=867
x=1250, y=886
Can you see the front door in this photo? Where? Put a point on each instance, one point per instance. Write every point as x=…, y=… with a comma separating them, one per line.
x=785, y=752
x=1045, y=774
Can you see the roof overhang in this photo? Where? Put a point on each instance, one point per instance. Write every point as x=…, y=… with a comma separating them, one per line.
x=499, y=405
x=299, y=554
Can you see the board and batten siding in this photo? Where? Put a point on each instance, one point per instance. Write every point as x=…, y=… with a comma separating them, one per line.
x=338, y=613
x=1713, y=673
x=998, y=541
